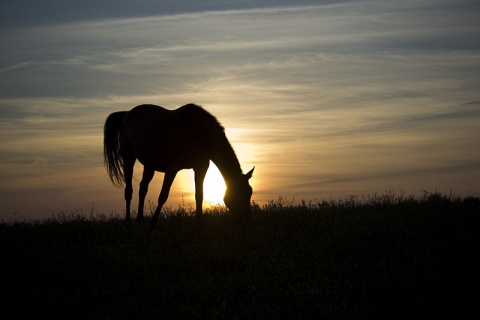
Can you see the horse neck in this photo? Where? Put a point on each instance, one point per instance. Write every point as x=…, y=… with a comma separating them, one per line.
x=226, y=160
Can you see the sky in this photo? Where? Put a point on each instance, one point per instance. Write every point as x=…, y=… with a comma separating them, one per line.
x=326, y=99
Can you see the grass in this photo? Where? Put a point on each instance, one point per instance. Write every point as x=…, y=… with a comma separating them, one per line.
x=390, y=256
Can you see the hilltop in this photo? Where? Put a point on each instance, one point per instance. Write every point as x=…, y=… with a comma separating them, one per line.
x=383, y=255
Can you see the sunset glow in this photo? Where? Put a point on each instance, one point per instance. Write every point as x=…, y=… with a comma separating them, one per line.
x=325, y=98
x=213, y=186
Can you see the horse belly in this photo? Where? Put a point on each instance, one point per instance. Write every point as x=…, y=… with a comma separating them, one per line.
x=186, y=149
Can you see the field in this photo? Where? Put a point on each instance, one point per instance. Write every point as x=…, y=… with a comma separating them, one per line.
x=389, y=256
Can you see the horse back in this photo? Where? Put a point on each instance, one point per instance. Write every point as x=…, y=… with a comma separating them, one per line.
x=158, y=136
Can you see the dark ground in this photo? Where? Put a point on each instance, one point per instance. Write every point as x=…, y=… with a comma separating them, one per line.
x=381, y=256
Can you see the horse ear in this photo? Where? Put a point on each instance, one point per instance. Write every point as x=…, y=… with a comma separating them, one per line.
x=249, y=174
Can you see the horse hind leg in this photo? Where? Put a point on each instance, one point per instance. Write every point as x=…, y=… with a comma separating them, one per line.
x=128, y=175
x=148, y=173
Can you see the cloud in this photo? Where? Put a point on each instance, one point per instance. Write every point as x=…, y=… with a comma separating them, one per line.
x=430, y=149
x=54, y=12
x=313, y=47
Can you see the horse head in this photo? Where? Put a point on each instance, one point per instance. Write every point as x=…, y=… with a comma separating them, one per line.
x=237, y=197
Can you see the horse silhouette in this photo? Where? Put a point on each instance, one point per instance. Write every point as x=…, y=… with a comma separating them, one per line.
x=169, y=141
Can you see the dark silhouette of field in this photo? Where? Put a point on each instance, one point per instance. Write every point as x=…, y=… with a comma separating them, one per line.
x=382, y=256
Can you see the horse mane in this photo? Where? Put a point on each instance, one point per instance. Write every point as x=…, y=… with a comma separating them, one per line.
x=220, y=139
x=199, y=112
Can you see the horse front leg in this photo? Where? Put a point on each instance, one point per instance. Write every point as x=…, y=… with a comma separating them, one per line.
x=167, y=184
x=200, y=173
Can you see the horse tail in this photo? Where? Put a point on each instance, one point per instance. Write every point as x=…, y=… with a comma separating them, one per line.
x=111, y=147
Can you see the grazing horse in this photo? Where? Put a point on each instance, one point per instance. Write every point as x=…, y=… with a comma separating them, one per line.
x=169, y=141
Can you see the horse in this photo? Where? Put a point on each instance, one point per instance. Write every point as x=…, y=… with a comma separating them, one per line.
x=168, y=141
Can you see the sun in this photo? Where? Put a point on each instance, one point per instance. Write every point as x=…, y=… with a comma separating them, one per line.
x=213, y=186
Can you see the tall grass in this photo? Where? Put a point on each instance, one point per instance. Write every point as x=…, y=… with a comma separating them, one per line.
x=385, y=255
